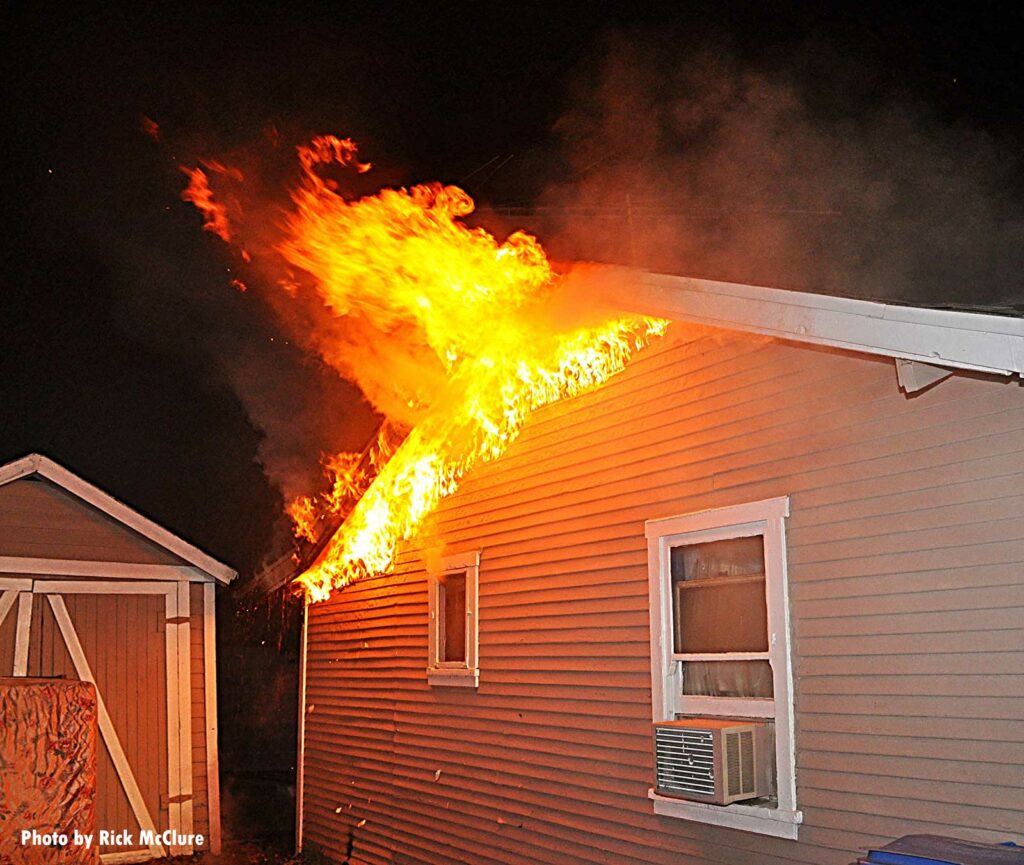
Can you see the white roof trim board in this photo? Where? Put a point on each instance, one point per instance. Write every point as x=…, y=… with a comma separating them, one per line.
x=949, y=338
x=36, y=464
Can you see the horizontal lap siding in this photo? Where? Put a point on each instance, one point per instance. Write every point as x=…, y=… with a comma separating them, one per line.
x=905, y=547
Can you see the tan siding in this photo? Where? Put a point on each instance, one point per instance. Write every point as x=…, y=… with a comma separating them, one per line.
x=905, y=547
x=40, y=520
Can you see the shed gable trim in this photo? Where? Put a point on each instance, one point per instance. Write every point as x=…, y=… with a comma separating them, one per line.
x=89, y=568
x=36, y=464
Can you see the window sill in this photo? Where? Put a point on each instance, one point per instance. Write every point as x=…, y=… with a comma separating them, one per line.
x=748, y=818
x=453, y=677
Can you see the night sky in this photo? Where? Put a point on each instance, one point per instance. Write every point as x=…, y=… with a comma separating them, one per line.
x=128, y=358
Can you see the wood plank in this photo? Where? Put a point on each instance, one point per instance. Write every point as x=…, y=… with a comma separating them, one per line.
x=931, y=596
x=102, y=587
x=184, y=707
x=7, y=600
x=23, y=634
x=940, y=768
x=927, y=622
x=846, y=663
x=173, y=719
x=126, y=857
x=982, y=643
x=87, y=568
x=980, y=684
x=853, y=744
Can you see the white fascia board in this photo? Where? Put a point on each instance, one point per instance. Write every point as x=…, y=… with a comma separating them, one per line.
x=47, y=468
x=961, y=340
x=19, y=468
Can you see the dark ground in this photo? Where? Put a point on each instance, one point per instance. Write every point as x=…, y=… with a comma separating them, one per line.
x=238, y=853
x=258, y=822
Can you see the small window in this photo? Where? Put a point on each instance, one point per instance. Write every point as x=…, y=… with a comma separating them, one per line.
x=720, y=640
x=453, y=627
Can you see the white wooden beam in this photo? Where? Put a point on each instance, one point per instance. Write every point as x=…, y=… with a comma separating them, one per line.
x=96, y=587
x=961, y=340
x=173, y=721
x=107, y=731
x=184, y=629
x=125, y=857
x=83, y=568
x=23, y=634
x=19, y=468
x=210, y=692
x=7, y=600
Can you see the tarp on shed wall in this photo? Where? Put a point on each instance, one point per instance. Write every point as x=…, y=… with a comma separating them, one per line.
x=47, y=768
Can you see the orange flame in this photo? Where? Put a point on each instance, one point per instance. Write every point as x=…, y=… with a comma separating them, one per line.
x=448, y=331
x=215, y=217
x=495, y=394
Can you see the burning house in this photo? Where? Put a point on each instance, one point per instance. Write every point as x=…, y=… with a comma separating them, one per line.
x=755, y=598
x=643, y=569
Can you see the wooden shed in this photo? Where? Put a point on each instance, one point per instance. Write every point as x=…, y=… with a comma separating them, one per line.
x=867, y=458
x=91, y=589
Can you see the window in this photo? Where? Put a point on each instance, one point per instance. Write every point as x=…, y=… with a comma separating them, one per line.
x=452, y=632
x=720, y=642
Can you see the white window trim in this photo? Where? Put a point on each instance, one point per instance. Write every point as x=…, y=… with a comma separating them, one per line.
x=456, y=674
x=766, y=518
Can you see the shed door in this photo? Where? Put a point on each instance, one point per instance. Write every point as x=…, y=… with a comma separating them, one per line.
x=131, y=639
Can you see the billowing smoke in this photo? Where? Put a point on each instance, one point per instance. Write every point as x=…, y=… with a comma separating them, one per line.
x=813, y=174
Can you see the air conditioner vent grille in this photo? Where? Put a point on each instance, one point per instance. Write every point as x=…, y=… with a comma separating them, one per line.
x=749, y=783
x=732, y=762
x=685, y=761
x=739, y=760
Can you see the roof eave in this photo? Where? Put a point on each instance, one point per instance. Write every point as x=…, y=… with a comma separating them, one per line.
x=960, y=340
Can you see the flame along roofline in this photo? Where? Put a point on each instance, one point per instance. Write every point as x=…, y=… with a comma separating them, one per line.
x=954, y=339
x=37, y=464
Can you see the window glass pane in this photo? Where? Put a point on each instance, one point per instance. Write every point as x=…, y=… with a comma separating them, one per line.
x=453, y=610
x=731, y=557
x=718, y=597
x=728, y=679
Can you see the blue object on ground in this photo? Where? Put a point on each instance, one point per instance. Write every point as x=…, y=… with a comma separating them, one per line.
x=939, y=850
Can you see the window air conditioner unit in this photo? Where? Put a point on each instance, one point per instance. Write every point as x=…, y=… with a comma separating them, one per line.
x=713, y=760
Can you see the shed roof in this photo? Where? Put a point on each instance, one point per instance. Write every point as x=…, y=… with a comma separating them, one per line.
x=41, y=466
